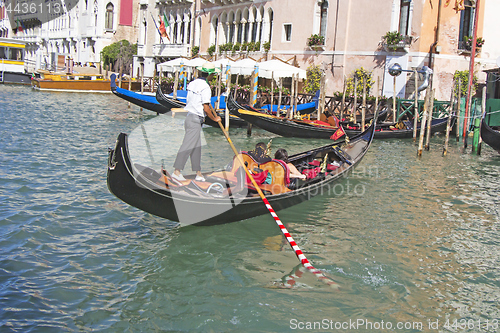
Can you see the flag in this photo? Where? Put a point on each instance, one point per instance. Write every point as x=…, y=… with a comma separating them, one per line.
x=163, y=27
x=459, y=5
x=338, y=134
x=19, y=26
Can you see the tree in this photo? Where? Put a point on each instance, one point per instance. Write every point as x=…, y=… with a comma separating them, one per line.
x=120, y=51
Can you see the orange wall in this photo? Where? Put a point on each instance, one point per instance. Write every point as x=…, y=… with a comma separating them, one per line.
x=449, y=26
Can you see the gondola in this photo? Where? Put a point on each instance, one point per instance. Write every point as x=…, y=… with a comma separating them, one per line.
x=309, y=129
x=490, y=136
x=169, y=103
x=226, y=196
x=144, y=101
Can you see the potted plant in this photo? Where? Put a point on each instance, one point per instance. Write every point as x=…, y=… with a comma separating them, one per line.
x=391, y=40
x=194, y=51
x=267, y=46
x=316, y=41
x=236, y=47
x=211, y=50
x=468, y=42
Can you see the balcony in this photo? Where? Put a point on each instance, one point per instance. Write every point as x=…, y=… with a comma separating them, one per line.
x=402, y=45
x=175, y=2
x=224, y=2
x=465, y=48
x=171, y=50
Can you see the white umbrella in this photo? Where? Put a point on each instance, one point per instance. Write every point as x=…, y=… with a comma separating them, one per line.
x=195, y=62
x=280, y=69
x=243, y=67
x=224, y=63
x=171, y=65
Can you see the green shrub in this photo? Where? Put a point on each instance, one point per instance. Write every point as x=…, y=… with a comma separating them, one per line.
x=361, y=75
x=464, y=82
x=211, y=50
x=313, y=80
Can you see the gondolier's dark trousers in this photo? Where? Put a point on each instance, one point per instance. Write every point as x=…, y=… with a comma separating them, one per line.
x=191, y=145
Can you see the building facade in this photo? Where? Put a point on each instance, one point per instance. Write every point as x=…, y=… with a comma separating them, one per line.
x=79, y=30
x=433, y=34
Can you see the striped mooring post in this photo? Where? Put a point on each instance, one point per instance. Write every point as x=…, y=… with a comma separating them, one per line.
x=255, y=84
x=183, y=76
x=228, y=76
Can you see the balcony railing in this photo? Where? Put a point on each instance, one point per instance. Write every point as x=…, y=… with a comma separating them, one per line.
x=171, y=50
x=463, y=47
x=403, y=45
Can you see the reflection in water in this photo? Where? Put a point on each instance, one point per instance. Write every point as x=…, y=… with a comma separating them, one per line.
x=420, y=243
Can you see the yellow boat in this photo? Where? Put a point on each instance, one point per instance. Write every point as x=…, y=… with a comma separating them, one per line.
x=73, y=82
x=12, y=62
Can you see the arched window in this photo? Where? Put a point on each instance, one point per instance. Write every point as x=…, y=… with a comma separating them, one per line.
x=246, y=26
x=271, y=18
x=239, y=27
x=254, y=26
x=231, y=28
x=214, y=32
x=404, y=17
x=108, y=25
x=324, y=18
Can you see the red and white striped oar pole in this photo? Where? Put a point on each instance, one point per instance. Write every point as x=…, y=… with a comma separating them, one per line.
x=298, y=252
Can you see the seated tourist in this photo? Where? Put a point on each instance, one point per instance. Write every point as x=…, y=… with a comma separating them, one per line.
x=282, y=154
x=259, y=154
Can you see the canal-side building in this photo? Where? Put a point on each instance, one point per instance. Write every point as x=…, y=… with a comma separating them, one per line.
x=433, y=34
x=80, y=32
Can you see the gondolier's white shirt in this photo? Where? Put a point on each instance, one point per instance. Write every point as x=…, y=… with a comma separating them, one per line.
x=199, y=93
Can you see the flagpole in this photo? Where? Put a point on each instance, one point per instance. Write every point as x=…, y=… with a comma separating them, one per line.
x=154, y=21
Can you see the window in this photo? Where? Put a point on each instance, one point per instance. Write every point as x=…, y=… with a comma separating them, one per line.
x=287, y=32
x=404, y=17
x=108, y=25
x=466, y=23
x=324, y=18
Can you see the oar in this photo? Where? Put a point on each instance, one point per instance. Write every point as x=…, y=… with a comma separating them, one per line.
x=298, y=252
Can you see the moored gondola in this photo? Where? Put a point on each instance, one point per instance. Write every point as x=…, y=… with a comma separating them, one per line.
x=319, y=130
x=226, y=196
x=490, y=136
x=143, y=100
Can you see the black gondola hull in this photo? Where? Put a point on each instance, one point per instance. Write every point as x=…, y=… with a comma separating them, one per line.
x=136, y=190
x=490, y=136
x=290, y=128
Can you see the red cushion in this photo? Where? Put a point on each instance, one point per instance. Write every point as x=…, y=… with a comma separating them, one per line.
x=258, y=177
x=311, y=173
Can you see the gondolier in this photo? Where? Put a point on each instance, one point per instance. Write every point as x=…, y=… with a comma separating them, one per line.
x=197, y=105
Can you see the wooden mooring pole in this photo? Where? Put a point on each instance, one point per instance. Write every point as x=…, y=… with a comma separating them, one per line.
x=459, y=106
x=477, y=125
x=176, y=83
x=121, y=74
x=377, y=96
x=416, y=113
x=355, y=105
x=280, y=95
x=342, y=106
x=394, y=101
x=424, y=122
x=448, y=123
x=363, y=108
x=272, y=93
x=321, y=100
x=429, y=121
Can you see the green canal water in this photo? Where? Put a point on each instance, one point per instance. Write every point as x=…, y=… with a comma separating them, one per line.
x=413, y=244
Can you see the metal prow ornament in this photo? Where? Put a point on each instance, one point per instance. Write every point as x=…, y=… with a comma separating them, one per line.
x=396, y=70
